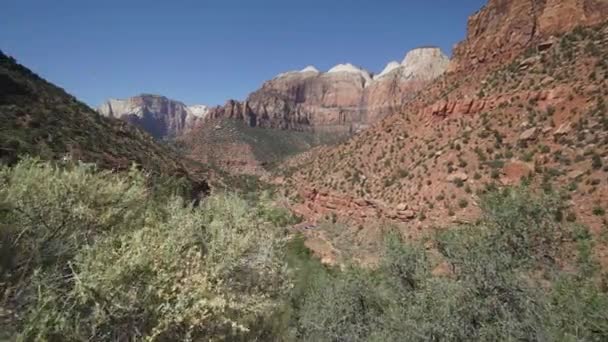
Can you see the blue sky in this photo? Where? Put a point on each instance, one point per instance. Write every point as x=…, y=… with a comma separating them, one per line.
x=209, y=51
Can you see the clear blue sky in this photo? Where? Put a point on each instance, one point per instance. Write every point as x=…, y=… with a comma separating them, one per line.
x=208, y=51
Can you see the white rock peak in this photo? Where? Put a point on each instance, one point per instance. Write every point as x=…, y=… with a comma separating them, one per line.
x=388, y=69
x=310, y=68
x=199, y=111
x=351, y=69
x=133, y=106
x=424, y=63
x=347, y=67
x=117, y=107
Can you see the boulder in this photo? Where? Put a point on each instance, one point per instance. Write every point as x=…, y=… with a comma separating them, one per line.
x=457, y=176
x=406, y=215
x=574, y=174
x=563, y=129
x=529, y=134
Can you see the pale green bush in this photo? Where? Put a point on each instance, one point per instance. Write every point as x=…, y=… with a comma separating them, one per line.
x=504, y=285
x=96, y=259
x=50, y=212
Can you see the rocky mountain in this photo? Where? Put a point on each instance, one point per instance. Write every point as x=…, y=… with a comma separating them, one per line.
x=40, y=119
x=322, y=107
x=512, y=110
x=346, y=98
x=398, y=83
x=158, y=115
x=503, y=28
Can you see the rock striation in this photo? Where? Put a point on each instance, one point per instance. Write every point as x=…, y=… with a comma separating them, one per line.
x=399, y=83
x=345, y=98
x=502, y=29
x=158, y=115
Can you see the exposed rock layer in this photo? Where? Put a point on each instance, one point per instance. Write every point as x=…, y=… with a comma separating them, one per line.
x=344, y=98
x=158, y=115
x=502, y=29
x=501, y=115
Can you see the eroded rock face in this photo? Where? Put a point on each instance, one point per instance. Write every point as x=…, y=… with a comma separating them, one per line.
x=399, y=83
x=158, y=115
x=504, y=28
x=344, y=98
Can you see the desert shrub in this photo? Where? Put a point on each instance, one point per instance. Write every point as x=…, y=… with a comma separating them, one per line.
x=51, y=212
x=503, y=283
x=97, y=258
x=596, y=161
x=345, y=307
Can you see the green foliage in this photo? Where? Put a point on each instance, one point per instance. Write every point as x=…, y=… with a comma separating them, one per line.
x=346, y=307
x=89, y=255
x=94, y=257
x=51, y=212
x=504, y=284
x=596, y=161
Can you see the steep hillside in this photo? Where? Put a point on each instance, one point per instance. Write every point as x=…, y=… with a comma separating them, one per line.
x=234, y=146
x=538, y=118
x=158, y=115
x=505, y=28
x=38, y=118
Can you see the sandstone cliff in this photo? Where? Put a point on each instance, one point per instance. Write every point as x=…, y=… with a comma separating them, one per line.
x=502, y=29
x=346, y=98
x=158, y=115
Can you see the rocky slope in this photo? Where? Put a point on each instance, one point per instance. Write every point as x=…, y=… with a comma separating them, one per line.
x=538, y=117
x=158, y=115
x=504, y=28
x=345, y=98
x=37, y=118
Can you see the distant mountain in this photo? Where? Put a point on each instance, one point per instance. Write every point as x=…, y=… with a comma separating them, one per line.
x=158, y=115
x=38, y=118
x=344, y=99
x=328, y=106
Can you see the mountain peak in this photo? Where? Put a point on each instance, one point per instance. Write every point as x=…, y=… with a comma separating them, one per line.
x=157, y=114
x=425, y=63
x=310, y=68
x=351, y=69
x=390, y=67
x=347, y=67
x=199, y=111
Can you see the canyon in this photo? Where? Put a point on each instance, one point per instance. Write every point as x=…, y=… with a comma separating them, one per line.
x=346, y=98
x=522, y=102
x=418, y=143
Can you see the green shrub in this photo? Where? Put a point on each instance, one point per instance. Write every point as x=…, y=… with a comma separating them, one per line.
x=95, y=258
x=504, y=284
x=51, y=212
x=596, y=161
x=599, y=211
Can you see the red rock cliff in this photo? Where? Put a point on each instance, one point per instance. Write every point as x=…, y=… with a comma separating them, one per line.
x=504, y=28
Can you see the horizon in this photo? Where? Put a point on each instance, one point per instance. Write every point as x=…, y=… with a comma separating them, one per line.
x=194, y=52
